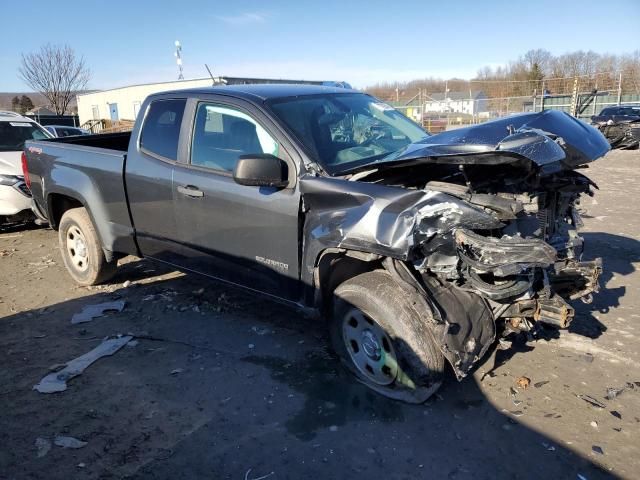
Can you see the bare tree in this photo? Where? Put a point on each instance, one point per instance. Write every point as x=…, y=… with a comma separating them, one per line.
x=56, y=72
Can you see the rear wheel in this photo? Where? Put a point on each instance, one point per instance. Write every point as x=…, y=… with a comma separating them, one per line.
x=81, y=250
x=383, y=340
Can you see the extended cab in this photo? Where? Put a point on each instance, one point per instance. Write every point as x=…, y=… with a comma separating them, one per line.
x=419, y=249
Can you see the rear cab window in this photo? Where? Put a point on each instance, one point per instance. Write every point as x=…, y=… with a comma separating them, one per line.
x=14, y=133
x=161, y=129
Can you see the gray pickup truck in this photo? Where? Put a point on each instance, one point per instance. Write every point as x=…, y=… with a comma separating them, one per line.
x=417, y=249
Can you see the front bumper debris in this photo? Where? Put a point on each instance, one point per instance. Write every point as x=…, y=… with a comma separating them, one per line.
x=524, y=278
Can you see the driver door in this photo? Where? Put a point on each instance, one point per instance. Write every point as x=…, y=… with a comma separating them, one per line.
x=241, y=234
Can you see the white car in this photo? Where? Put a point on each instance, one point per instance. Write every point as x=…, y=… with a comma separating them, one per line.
x=15, y=197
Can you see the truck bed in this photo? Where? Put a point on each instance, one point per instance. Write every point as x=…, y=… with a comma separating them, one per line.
x=88, y=169
x=110, y=141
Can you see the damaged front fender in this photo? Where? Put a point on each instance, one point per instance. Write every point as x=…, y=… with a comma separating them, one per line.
x=378, y=219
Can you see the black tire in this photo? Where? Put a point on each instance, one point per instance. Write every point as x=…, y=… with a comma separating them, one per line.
x=398, y=331
x=76, y=230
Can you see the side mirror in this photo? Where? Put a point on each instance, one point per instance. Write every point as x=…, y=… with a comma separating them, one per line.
x=261, y=170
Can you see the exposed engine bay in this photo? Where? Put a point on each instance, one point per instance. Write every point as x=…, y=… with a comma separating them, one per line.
x=485, y=220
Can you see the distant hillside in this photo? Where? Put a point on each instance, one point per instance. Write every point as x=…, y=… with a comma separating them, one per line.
x=37, y=99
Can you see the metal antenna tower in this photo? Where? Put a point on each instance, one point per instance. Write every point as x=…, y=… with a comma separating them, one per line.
x=178, y=55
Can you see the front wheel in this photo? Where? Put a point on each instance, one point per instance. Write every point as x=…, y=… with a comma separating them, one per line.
x=383, y=340
x=81, y=250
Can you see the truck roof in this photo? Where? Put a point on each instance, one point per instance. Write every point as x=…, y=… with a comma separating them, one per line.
x=264, y=91
x=7, y=116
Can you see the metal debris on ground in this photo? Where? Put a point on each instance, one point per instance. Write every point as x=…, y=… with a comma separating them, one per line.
x=57, y=381
x=89, y=312
x=591, y=401
x=42, y=446
x=616, y=392
x=69, y=442
x=523, y=382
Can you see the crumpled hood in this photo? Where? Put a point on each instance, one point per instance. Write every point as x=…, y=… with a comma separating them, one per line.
x=10, y=163
x=552, y=140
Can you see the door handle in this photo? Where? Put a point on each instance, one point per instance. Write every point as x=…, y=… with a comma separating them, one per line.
x=190, y=191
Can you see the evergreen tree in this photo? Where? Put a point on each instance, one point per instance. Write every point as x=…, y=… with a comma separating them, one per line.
x=15, y=104
x=25, y=104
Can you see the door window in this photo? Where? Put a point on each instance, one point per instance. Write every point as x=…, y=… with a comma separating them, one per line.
x=161, y=129
x=222, y=134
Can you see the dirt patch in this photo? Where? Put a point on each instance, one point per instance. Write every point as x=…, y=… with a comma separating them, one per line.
x=217, y=383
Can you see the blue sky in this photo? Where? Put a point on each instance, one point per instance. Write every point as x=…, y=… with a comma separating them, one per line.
x=359, y=41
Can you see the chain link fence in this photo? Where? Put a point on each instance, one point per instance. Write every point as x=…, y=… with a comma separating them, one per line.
x=477, y=101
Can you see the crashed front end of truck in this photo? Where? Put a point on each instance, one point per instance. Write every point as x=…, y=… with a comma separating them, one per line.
x=482, y=221
x=621, y=132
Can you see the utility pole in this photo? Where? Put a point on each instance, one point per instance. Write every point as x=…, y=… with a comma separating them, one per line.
x=620, y=88
x=178, y=54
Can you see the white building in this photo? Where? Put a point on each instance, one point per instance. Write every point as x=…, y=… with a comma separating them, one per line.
x=124, y=103
x=470, y=102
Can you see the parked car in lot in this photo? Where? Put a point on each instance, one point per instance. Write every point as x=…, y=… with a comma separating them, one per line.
x=65, y=130
x=15, y=197
x=418, y=249
x=620, y=124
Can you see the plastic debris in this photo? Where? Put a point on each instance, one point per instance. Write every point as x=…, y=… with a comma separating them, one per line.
x=594, y=424
x=260, y=330
x=588, y=357
x=43, y=446
x=523, y=382
x=69, y=442
x=176, y=371
x=57, y=381
x=89, y=312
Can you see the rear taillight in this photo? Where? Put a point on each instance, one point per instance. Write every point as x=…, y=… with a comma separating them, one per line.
x=25, y=171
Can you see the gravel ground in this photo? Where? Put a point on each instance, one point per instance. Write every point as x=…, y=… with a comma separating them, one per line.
x=223, y=385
